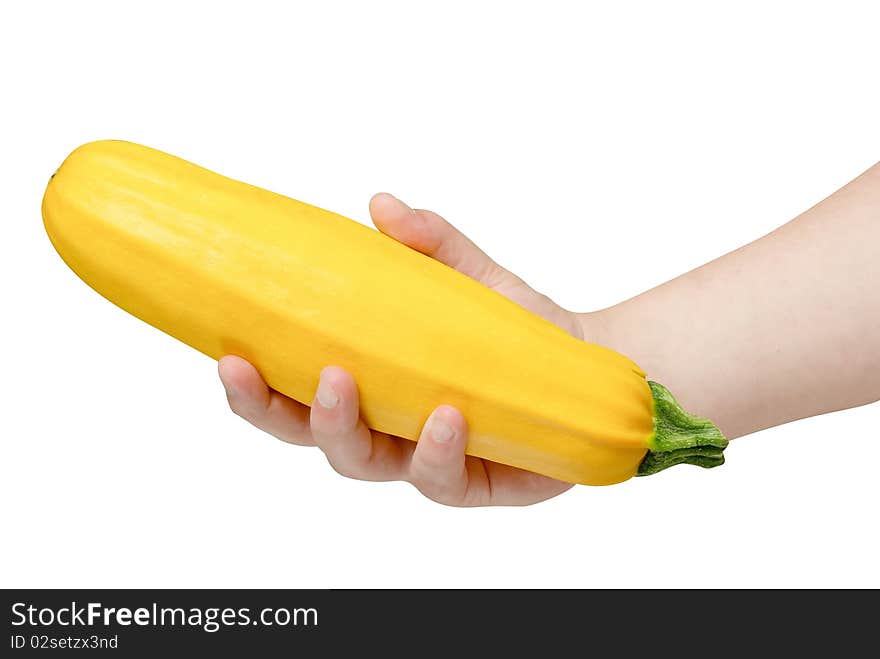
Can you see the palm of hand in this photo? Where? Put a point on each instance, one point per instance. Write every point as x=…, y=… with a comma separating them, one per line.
x=436, y=464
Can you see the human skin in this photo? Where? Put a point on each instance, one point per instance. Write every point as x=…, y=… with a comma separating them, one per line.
x=783, y=328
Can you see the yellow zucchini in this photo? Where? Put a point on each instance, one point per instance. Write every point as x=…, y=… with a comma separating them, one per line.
x=229, y=268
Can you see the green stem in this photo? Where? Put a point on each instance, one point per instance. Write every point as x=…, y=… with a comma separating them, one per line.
x=679, y=437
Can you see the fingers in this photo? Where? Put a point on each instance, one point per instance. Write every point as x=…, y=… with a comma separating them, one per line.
x=333, y=423
x=430, y=234
x=268, y=410
x=351, y=448
x=438, y=467
x=436, y=464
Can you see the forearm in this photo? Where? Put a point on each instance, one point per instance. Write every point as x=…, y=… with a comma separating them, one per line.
x=783, y=328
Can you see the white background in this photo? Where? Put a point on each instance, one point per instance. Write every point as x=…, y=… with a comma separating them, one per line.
x=596, y=150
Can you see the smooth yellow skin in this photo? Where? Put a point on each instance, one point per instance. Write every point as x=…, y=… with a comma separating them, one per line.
x=229, y=268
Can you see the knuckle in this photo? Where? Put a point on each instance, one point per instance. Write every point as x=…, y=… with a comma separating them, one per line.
x=429, y=483
x=438, y=479
x=428, y=469
x=321, y=425
x=435, y=494
x=333, y=425
x=237, y=408
x=299, y=439
x=492, y=274
x=343, y=468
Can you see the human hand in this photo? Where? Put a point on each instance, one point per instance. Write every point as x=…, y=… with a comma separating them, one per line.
x=437, y=464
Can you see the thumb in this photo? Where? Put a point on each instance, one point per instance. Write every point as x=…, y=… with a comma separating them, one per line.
x=430, y=234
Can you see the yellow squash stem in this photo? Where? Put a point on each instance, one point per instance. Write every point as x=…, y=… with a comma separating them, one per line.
x=679, y=437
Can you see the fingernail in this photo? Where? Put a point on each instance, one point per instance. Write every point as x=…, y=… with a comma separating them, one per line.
x=441, y=431
x=327, y=396
x=230, y=390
